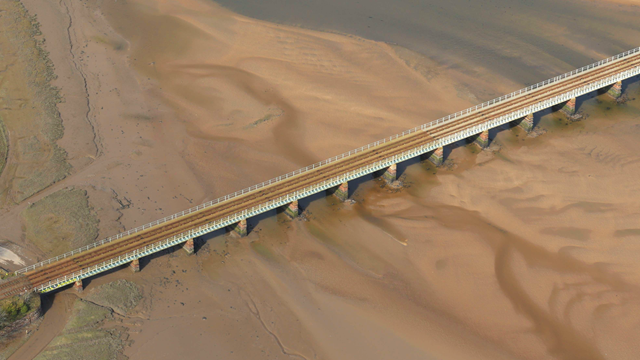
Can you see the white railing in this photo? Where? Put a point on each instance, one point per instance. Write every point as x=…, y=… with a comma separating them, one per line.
x=332, y=182
x=333, y=159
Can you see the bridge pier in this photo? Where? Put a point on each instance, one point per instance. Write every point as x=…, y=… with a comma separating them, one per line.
x=241, y=228
x=390, y=174
x=292, y=209
x=437, y=157
x=343, y=192
x=189, y=247
x=527, y=123
x=569, y=107
x=135, y=265
x=78, y=286
x=483, y=139
x=615, y=91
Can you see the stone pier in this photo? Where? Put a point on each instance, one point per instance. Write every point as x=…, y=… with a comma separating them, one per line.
x=569, y=107
x=483, y=139
x=78, y=286
x=292, y=209
x=437, y=157
x=390, y=174
x=135, y=265
x=241, y=227
x=527, y=123
x=616, y=90
x=189, y=247
x=343, y=192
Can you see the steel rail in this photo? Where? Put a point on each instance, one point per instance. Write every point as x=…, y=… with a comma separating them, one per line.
x=335, y=158
x=345, y=177
x=148, y=236
x=116, y=261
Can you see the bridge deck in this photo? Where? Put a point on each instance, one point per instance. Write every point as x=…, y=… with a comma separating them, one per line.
x=42, y=275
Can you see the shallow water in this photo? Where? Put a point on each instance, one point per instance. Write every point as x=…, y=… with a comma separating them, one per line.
x=525, y=41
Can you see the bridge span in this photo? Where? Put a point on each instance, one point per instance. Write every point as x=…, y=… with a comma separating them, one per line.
x=233, y=210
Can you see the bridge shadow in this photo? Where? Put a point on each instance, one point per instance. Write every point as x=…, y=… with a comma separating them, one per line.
x=359, y=182
x=254, y=221
x=630, y=81
x=323, y=195
x=200, y=241
x=354, y=185
x=46, y=301
x=402, y=166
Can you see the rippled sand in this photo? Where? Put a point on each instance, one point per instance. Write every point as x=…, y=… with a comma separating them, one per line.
x=527, y=253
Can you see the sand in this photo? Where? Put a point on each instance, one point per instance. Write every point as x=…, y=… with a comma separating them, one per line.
x=626, y=2
x=525, y=253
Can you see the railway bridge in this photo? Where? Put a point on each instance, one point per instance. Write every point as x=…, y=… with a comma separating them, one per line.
x=233, y=210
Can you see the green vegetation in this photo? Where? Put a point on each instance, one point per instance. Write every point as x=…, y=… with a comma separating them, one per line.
x=30, y=117
x=86, y=315
x=17, y=307
x=92, y=331
x=61, y=222
x=5, y=274
x=120, y=295
x=84, y=336
x=4, y=146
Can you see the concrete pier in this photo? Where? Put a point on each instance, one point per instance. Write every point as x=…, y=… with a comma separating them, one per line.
x=292, y=209
x=135, y=265
x=78, y=286
x=390, y=174
x=616, y=90
x=569, y=107
x=483, y=139
x=227, y=212
x=343, y=192
x=189, y=247
x=241, y=227
x=437, y=157
x=527, y=123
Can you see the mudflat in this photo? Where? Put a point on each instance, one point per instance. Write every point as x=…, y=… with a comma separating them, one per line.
x=526, y=250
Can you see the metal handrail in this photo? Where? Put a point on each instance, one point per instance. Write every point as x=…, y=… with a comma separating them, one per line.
x=327, y=183
x=328, y=161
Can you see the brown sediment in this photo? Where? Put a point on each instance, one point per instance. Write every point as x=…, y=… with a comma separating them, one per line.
x=525, y=254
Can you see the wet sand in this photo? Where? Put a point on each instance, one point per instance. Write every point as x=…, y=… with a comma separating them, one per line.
x=510, y=41
x=528, y=253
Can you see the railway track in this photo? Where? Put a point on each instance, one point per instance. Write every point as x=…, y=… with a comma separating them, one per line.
x=97, y=255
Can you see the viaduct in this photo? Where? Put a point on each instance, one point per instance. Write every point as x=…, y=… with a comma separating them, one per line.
x=233, y=210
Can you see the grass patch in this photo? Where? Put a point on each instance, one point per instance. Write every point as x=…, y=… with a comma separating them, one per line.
x=17, y=307
x=61, y=222
x=91, y=331
x=120, y=295
x=92, y=343
x=86, y=315
x=4, y=146
x=30, y=117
